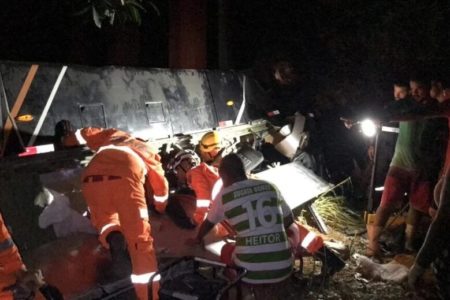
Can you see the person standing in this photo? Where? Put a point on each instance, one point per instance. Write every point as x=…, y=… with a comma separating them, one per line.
x=401, y=90
x=406, y=173
x=435, y=249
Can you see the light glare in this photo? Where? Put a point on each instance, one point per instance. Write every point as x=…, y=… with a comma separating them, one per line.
x=368, y=128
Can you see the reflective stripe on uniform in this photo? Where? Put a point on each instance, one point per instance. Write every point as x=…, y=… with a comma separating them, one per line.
x=308, y=239
x=161, y=199
x=6, y=244
x=104, y=228
x=144, y=278
x=143, y=213
x=79, y=137
x=216, y=188
x=127, y=150
x=203, y=202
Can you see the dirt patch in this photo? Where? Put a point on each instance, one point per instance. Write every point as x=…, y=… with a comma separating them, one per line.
x=349, y=284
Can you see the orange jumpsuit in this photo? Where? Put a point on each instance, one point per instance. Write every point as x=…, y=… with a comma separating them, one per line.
x=300, y=237
x=10, y=262
x=113, y=186
x=202, y=179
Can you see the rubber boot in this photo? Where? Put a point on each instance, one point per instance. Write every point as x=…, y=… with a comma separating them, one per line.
x=409, y=238
x=50, y=292
x=373, y=234
x=413, y=218
x=178, y=215
x=331, y=263
x=120, y=258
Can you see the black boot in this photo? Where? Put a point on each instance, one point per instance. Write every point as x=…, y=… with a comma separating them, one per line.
x=50, y=292
x=120, y=258
x=331, y=263
x=178, y=215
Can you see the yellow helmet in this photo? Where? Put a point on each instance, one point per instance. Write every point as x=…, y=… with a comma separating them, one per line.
x=210, y=141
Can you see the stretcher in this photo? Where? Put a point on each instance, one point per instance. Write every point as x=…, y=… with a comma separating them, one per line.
x=195, y=278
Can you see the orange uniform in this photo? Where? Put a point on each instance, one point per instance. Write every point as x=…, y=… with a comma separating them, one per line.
x=300, y=237
x=202, y=179
x=10, y=262
x=113, y=186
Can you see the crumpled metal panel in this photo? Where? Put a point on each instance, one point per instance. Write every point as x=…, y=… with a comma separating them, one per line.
x=14, y=75
x=190, y=103
x=297, y=184
x=152, y=103
x=226, y=86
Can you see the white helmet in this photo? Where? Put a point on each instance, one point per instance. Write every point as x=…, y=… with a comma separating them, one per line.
x=182, y=155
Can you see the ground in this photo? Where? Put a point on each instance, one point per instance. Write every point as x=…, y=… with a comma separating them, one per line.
x=349, y=284
x=345, y=227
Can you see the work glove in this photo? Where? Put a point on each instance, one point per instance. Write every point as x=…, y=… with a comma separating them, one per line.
x=415, y=272
x=22, y=292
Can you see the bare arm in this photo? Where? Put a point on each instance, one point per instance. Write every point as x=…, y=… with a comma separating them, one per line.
x=288, y=221
x=437, y=233
x=205, y=227
x=406, y=110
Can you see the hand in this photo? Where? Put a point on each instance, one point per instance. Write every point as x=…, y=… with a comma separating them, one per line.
x=371, y=152
x=274, y=165
x=28, y=282
x=348, y=123
x=414, y=274
x=33, y=279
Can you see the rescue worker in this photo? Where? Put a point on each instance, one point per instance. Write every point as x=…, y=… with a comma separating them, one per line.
x=114, y=185
x=182, y=198
x=251, y=200
x=15, y=281
x=11, y=265
x=202, y=178
x=210, y=148
x=181, y=162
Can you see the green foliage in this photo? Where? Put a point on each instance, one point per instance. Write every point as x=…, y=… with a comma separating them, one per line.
x=113, y=12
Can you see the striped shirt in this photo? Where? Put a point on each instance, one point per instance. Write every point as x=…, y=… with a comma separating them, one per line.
x=256, y=210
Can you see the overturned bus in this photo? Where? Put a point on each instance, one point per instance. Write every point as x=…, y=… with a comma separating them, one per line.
x=162, y=106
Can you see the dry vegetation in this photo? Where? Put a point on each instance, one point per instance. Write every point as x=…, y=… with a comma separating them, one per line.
x=347, y=228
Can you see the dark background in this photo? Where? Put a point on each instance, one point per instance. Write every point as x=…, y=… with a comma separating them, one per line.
x=347, y=50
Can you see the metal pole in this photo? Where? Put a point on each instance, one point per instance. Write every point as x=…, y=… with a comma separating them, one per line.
x=318, y=219
x=370, y=202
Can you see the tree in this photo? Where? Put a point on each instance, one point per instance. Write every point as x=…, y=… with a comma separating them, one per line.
x=113, y=11
x=108, y=31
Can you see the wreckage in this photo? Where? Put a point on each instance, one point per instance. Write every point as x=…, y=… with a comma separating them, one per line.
x=164, y=107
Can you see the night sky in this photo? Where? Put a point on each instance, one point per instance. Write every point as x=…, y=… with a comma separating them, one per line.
x=356, y=47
